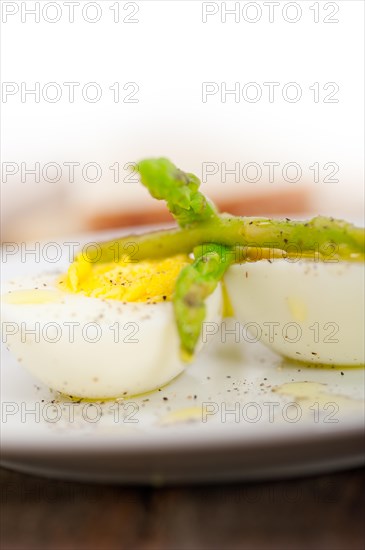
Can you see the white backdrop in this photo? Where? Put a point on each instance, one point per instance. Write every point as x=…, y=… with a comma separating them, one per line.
x=163, y=52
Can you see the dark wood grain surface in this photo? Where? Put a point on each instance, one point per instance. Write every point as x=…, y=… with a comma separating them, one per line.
x=324, y=512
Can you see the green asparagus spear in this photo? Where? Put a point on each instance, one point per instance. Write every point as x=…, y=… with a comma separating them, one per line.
x=194, y=284
x=326, y=238
x=179, y=189
x=321, y=237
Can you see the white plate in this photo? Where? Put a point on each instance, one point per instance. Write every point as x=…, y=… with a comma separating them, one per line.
x=223, y=419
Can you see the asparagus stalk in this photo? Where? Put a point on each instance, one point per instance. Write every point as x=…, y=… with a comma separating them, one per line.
x=194, y=284
x=324, y=238
x=197, y=216
x=179, y=189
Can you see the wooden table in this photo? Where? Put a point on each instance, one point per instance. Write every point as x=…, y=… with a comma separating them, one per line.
x=323, y=512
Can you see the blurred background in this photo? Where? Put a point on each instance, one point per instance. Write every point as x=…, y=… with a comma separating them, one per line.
x=263, y=102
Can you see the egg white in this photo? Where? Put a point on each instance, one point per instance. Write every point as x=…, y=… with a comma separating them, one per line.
x=318, y=308
x=92, y=348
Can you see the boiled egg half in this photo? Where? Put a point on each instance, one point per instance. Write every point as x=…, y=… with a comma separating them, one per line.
x=101, y=330
x=310, y=311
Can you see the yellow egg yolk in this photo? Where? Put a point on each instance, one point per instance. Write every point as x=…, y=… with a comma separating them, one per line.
x=128, y=281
